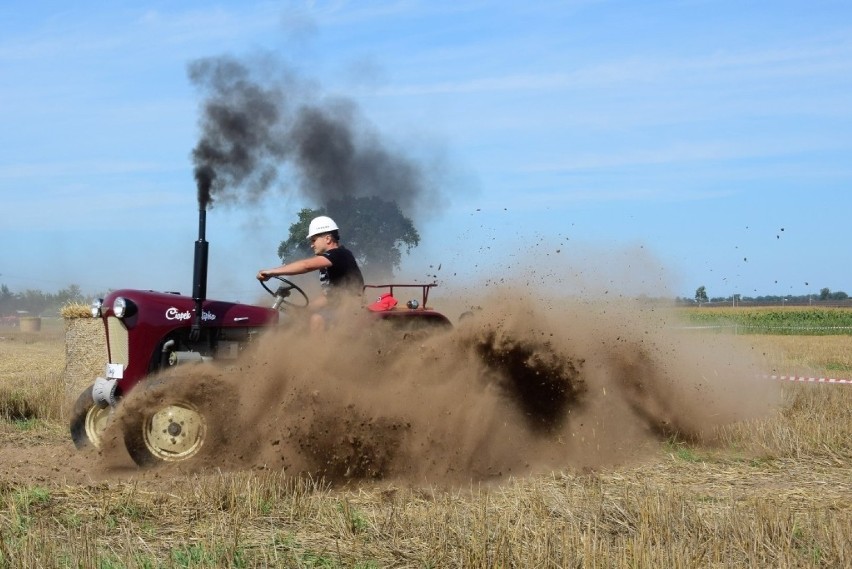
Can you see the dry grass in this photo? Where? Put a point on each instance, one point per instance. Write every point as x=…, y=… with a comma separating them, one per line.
x=831, y=355
x=75, y=310
x=777, y=493
x=31, y=367
x=687, y=513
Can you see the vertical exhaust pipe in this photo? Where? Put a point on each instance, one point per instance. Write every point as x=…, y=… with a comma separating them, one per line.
x=199, y=273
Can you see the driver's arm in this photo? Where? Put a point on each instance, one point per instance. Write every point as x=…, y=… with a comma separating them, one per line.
x=295, y=268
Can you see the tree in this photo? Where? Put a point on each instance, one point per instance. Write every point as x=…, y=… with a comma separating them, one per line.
x=6, y=300
x=375, y=230
x=701, y=294
x=70, y=294
x=297, y=243
x=33, y=301
x=824, y=293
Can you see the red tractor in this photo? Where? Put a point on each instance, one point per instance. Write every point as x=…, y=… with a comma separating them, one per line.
x=150, y=332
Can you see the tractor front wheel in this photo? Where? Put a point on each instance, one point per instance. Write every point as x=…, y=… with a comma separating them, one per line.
x=88, y=421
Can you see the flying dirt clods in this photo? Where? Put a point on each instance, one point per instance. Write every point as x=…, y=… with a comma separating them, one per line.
x=518, y=388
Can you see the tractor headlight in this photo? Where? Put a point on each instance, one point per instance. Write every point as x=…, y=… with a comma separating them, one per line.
x=97, y=307
x=119, y=307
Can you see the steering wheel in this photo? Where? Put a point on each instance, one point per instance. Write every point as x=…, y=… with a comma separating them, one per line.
x=282, y=294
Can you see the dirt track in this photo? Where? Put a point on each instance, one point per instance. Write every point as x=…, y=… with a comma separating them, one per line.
x=45, y=463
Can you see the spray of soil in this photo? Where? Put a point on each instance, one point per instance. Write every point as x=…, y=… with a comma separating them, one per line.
x=520, y=386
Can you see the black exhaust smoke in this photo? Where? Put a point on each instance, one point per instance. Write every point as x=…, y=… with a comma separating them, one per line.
x=242, y=140
x=238, y=148
x=259, y=117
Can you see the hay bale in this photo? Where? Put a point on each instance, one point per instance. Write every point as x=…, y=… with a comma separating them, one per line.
x=30, y=323
x=75, y=310
x=85, y=354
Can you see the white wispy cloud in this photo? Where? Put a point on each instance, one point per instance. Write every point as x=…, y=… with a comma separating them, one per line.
x=148, y=30
x=61, y=205
x=81, y=168
x=685, y=152
x=806, y=61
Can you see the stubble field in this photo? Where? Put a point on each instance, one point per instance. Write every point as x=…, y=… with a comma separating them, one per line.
x=768, y=491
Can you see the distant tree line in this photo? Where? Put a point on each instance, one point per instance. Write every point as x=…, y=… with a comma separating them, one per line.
x=36, y=302
x=826, y=296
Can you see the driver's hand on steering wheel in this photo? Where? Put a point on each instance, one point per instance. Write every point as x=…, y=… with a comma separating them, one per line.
x=262, y=276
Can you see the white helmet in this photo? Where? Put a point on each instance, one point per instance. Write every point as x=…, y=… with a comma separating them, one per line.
x=321, y=224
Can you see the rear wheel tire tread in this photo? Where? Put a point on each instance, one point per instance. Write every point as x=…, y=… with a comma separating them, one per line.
x=148, y=449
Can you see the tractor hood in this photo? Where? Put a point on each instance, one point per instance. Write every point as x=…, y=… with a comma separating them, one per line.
x=164, y=309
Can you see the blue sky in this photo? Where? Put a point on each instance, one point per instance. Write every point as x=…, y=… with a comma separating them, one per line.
x=645, y=147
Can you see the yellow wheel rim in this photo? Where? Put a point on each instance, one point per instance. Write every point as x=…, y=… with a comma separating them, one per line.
x=96, y=422
x=175, y=432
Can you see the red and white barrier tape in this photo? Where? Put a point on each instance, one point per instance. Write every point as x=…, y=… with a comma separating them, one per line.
x=808, y=379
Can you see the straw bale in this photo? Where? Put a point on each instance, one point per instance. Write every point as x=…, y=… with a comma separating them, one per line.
x=75, y=310
x=85, y=354
x=30, y=323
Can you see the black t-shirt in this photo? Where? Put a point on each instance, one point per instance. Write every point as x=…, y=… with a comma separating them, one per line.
x=343, y=275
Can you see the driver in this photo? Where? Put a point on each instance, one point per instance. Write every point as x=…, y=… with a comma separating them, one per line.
x=338, y=270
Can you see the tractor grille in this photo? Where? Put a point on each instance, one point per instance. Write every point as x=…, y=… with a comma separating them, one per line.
x=118, y=341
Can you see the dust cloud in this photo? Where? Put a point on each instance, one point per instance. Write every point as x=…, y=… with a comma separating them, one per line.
x=522, y=384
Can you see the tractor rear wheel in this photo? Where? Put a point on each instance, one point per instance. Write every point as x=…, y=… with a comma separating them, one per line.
x=174, y=420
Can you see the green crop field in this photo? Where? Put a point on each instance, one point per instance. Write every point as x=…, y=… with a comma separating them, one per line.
x=799, y=321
